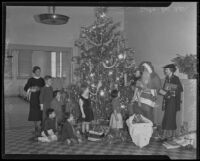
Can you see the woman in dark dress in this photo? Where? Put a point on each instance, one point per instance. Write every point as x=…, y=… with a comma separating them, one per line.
x=32, y=88
x=171, y=101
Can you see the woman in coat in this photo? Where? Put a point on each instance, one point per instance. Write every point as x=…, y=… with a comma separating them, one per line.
x=171, y=100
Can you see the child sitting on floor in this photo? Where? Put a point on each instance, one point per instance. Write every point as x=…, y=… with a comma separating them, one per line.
x=49, y=133
x=68, y=133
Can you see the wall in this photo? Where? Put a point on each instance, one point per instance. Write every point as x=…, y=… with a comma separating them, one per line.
x=21, y=27
x=158, y=34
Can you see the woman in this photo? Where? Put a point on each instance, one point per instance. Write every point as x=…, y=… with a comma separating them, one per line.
x=32, y=88
x=171, y=101
x=148, y=94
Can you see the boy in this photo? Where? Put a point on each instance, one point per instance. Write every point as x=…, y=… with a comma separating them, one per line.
x=46, y=96
x=49, y=128
x=57, y=105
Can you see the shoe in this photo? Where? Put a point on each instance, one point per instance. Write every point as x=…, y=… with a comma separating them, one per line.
x=160, y=139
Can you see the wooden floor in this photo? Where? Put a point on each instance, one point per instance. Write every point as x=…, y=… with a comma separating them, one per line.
x=18, y=132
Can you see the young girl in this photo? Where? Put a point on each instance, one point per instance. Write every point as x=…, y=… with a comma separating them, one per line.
x=49, y=132
x=86, y=111
x=46, y=96
x=68, y=133
x=57, y=105
x=116, y=121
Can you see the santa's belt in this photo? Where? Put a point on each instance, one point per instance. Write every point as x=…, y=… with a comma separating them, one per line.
x=147, y=101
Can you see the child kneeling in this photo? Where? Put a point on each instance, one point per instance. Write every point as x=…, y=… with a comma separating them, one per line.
x=49, y=132
x=68, y=133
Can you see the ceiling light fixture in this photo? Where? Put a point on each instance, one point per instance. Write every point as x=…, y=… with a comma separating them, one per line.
x=51, y=18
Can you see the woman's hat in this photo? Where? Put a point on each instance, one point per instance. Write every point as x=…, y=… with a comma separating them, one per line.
x=171, y=66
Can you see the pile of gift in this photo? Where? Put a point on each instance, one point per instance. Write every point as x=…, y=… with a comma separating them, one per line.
x=98, y=129
x=116, y=136
x=187, y=141
x=100, y=132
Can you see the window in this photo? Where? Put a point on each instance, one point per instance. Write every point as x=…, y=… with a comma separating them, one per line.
x=8, y=65
x=53, y=64
x=24, y=63
x=61, y=64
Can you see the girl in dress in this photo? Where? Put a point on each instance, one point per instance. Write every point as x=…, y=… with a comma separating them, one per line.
x=32, y=87
x=116, y=121
x=86, y=115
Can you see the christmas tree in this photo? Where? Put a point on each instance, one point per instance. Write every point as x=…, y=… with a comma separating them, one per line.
x=105, y=63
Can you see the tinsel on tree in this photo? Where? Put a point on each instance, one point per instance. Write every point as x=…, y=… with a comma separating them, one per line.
x=105, y=63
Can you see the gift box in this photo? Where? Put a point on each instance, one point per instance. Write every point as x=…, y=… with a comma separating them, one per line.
x=170, y=86
x=95, y=136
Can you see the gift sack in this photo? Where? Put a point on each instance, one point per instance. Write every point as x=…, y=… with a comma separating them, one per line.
x=140, y=132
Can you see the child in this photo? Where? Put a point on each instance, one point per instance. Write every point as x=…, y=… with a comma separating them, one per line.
x=49, y=128
x=86, y=111
x=57, y=105
x=116, y=121
x=68, y=133
x=46, y=96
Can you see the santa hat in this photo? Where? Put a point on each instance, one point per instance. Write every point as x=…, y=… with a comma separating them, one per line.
x=147, y=65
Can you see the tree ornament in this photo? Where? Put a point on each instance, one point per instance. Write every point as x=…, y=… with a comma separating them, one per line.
x=120, y=56
x=110, y=72
x=102, y=93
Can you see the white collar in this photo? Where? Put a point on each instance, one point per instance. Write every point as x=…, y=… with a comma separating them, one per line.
x=36, y=77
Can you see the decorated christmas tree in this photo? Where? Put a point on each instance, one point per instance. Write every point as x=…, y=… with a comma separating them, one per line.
x=105, y=63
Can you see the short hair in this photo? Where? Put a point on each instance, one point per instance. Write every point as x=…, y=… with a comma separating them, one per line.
x=114, y=93
x=49, y=111
x=173, y=70
x=47, y=77
x=83, y=87
x=67, y=115
x=55, y=93
x=36, y=68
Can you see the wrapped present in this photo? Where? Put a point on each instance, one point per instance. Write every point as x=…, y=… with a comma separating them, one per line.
x=170, y=86
x=95, y=136
x=96, y=133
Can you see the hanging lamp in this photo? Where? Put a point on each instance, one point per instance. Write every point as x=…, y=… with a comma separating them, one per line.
x=51, y=18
